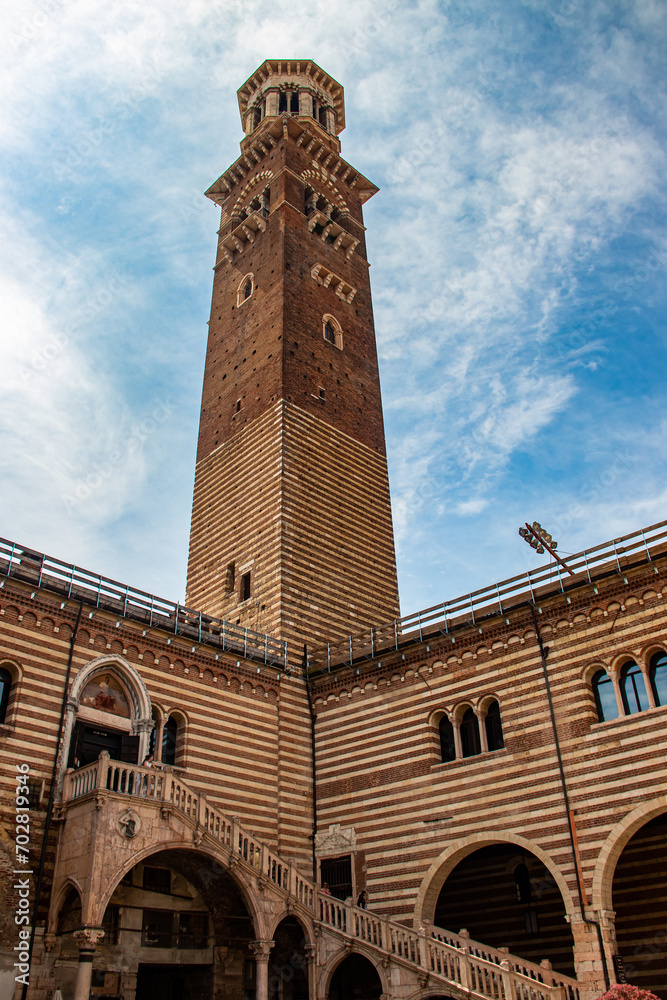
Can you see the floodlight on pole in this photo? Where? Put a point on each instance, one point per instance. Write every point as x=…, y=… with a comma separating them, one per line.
x=539, y=539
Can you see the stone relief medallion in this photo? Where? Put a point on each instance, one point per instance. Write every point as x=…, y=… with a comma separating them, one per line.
x=129, y=824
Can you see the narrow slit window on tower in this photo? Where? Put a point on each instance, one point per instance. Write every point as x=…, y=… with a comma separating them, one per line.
x=282, y=103
x=323, y=393
x=245, y=587
x=294, y=103
x=230, y=581
x=237, y=408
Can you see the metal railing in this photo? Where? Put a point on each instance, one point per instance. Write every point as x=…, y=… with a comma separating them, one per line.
x=70, y=581
x=470, y=609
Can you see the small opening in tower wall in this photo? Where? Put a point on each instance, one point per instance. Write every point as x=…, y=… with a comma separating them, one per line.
x=322, y=393
x=245, y=587
x=238, y=406
x=230, y=577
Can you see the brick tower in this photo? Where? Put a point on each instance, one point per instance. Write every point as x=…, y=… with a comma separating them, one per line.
x=291, y=522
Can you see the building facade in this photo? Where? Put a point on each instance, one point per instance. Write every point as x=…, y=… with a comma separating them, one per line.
x=195, y=798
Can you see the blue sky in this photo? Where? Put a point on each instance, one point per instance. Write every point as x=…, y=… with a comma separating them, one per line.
x=518, y=255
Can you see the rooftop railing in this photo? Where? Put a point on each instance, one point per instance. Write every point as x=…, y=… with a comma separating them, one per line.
x=69, y=581
x=498, y=599
x=586, y=567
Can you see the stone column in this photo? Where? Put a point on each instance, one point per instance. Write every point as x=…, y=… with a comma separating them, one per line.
x=262, y=950
x=87, y=939
x=458, y=745
x=587, y=958
x=310, y=951
x=616, y=681
x=483, y=739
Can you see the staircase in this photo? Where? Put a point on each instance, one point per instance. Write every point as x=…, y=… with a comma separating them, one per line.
x=445, y=960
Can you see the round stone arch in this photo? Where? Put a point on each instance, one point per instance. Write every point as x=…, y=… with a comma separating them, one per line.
x=445, y=863
x=58, y=900
x=263, y=175
x=289, y=911
x=97, y=908
x=328, y=187
x=328, y=970
x=450, y=992
x=614, y=845
x=140, y=702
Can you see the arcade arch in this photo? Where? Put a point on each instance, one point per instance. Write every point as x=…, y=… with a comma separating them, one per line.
x=356, y=975
x=506, y=892
x=178, y=908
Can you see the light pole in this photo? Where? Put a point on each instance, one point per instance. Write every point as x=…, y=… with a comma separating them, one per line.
x=539, y=539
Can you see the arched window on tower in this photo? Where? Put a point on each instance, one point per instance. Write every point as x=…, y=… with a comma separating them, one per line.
x=470, y=742
x=494, y=728
x=169, y=741
x=294, y=103
x=5, y=691
x=282, y=103
x=633, y=689
x=447, y=744
x=605, y=698
x=332, y=331
x=658, y=677
x=245, y=289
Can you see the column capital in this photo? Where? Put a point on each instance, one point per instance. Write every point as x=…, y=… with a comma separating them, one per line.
x=261, y=950
x=88, y=938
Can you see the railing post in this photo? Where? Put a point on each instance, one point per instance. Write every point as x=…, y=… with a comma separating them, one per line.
x=423, y=949
x=236, y=830
x=506, y=974
x=201, y=809
x=102, y=769
x=167, y=785
x=68, y=783
x=466, y=971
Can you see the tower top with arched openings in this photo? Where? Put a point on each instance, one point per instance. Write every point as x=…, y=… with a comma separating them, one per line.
x=295, y=87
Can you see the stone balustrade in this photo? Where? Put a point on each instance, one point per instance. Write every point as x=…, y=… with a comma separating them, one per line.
x=167, y=790
x=453, y=959
x=485, y=972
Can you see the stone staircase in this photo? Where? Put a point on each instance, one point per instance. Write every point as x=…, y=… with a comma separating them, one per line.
x=447, y=962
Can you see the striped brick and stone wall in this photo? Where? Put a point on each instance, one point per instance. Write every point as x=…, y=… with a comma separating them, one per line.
x=245, y=742
x=380, y=770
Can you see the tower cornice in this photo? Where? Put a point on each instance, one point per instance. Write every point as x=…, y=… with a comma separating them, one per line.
x=314, y=143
